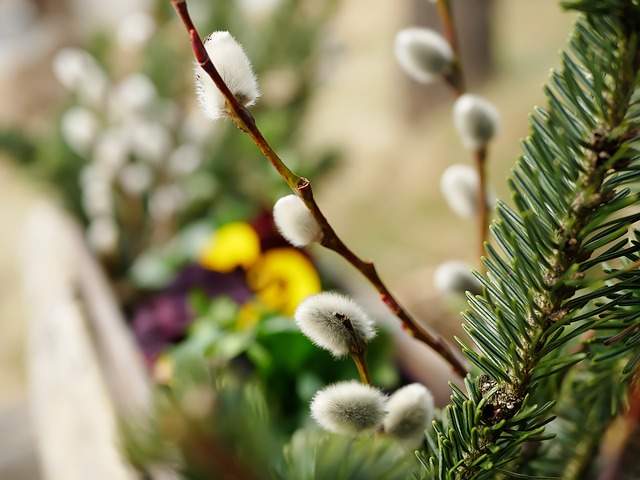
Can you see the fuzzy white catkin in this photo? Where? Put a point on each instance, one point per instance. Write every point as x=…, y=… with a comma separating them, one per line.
x=476, y=120
x=79, y=128
x=322, y=319
x=79, y=72
x=459, y=184
x=295, y=221
x=234, y=67
x=135, y=30
x=135, y=178
x=132, y=95
x=348, y=407
x=423, y=54
x=102, y=235
x=409, y=413
x=455, y=278
x=185, y=159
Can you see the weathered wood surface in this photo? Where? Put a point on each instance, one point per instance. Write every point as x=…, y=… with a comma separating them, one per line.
x=83, y=367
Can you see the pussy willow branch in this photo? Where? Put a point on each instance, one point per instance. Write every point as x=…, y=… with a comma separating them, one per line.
x=455, y=80
x=302, y=187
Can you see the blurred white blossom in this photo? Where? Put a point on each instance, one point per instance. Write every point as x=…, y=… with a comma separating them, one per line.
x=135, y=30
x=79, y=127
x=102, y=235
x=111, y=150
x=258, y=10
x=151, y=141
x=185, y=159
x=135, y=178
x=459, y=185
x=132, y=95
x=165, y=201
x=80, y=73
x=455, y=278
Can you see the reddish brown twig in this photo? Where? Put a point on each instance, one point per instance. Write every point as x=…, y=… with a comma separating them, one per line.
x=302, y=187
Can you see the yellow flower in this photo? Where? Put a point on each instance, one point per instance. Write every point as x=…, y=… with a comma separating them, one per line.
x=232, y=245
x=282, y=278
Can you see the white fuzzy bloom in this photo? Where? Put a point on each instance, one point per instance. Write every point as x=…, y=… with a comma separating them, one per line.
x=132, y=95
x=423, y=54
x=151, y=141
x=165, y=202
x=258, y=10
x=325, y=319
x=459, y=184
x=79, y=72
x=409, y=413
x=135, y=178
x=79, y=128
x=135, y=30
x=455, y=278
x=102, y=235
x=348, y=407
x=111, y=150
x=235, y=69
x=197, y=128
x=295, y=221
x=185, y=159
x=96, y=198
x=476, y=119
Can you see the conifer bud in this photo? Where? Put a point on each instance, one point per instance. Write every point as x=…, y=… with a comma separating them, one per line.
x=234, y=67
x=335, y=322
x=348, y=407
x=295, y=221
x=455, y=278
x=459, y=185
x=423, y=54
x=409, y=412
x=476, y=119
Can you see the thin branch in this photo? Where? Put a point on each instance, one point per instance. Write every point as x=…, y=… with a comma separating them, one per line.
x=480, y=160
x=302, y=187
x=455, y=79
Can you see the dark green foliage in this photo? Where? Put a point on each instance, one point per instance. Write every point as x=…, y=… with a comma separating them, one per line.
x=544, y=287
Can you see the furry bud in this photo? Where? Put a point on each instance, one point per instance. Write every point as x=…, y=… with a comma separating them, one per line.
x=295, y=221
x=476, y=119
x=334, y=322
x=423, y=54
x=409, y=412
x=80, y=73
x=235, y=69
x=455, y=278
x=348, y=407
x=459, y=184
x=79, y=128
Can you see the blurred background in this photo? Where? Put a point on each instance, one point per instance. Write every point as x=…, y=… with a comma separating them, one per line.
x=377, y=141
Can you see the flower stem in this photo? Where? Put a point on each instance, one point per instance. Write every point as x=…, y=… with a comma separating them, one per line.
x=302, y=187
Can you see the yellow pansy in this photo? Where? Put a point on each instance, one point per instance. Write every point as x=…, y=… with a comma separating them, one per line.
x=233, y=245
x=282, y=278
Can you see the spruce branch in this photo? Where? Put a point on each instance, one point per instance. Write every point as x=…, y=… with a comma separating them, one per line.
x=301, y=186
x=569, y=188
